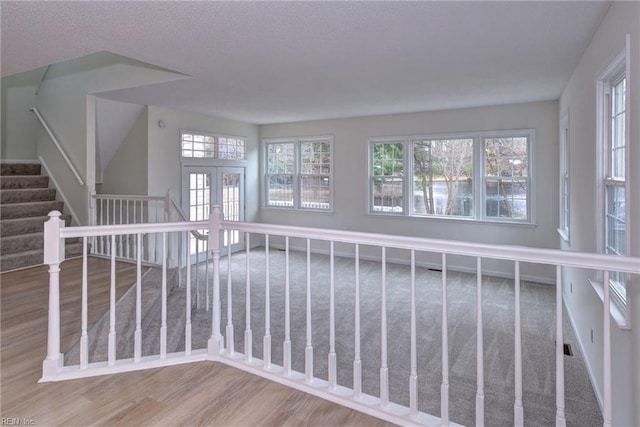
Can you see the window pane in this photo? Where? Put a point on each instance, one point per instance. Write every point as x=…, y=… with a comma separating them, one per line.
x=506, y=198
x=280, y=190
x=506, y=156
x=442, y=177
x=315, y=157
x=615, y=220
x=388, y=194
x=280, y=158
x=388, y=159
x=316, y=192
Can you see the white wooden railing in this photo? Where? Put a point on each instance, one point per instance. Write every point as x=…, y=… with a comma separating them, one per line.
x=220, y=347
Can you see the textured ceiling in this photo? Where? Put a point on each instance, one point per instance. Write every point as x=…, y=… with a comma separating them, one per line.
x=270, y=62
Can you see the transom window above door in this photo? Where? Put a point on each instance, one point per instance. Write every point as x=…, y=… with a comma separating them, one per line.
x=211, y=146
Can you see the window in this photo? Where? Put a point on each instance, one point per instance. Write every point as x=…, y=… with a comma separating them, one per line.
x=614, y=182
x=482, y=176
x=613, y=195
x=208, y=146
x=563, y=222
x=299, y=173
x=506, y=177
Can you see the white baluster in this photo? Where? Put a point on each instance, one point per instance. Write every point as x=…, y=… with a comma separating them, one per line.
x=286, y=345
x=207, y=297
x=560, y=414
x=128, y=236
x=308, y=351
x=479, y=347
x=197, y=242
x=187, y=326
x=137, y=346
x=121, y=236
x=266, y=343
x=248, y=337
x=413, y=376
x=84, y=338
x=357, y=363
x=332, y=375
x=444, y=388
x=607, y=413
x=518, y=406
x=384, y=370
x=230, y=333
x=101, y=241
x=163, y=323
x=111, y=360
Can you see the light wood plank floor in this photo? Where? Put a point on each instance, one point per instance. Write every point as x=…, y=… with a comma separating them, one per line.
x=203, y=393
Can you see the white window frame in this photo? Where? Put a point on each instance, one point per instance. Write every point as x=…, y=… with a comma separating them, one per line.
x=297, y=175
x=216, y=157
x=564, y=219
x=613, y=73
x=478, y=190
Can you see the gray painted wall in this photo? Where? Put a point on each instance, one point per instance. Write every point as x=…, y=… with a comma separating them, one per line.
x=350, y=192
x=164, y=164
x=585, y=307
x=127, y=172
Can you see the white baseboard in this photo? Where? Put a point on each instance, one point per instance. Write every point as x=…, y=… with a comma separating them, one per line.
x=20, y=161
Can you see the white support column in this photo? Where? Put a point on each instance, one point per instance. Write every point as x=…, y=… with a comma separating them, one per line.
x=560, y=414
x=332, y=358
x=413, y=376
x=53, y=256
x=357, y=363
x=444, y=388
x=607, y=411
x=215, y=344
x=308, y=351
x=518, y=406
x=479, y=347
x=266, y=342
x=286, y=345
x=384, y=370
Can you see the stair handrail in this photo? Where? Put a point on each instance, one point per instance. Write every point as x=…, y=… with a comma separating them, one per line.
x=57, y=144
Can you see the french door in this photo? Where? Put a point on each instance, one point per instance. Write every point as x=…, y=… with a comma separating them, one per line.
x=202, y=187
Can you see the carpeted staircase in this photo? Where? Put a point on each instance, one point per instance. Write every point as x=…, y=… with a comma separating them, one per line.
x=25, y=202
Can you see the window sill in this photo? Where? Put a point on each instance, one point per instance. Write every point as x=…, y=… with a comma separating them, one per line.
x=563, y=235
x=618, y=312
x=296, y=210
x=458, y=219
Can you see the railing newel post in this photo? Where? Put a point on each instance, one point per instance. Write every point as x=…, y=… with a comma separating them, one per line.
x=215, y=344
x=53, y=256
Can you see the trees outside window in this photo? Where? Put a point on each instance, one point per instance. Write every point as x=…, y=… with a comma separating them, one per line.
x=482, y=176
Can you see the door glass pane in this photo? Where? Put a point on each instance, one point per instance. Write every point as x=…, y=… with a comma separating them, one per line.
x=199, y=204
x=231, y=206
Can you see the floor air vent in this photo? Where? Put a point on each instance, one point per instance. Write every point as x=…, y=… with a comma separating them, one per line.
x=567, y=350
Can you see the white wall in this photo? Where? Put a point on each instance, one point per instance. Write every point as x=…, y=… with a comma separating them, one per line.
x=164, y=166
x=585, y=307
x=62, y=100
x=351, y=180
x=127, y=172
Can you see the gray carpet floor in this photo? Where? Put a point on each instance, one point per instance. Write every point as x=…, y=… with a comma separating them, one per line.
x=538, y=334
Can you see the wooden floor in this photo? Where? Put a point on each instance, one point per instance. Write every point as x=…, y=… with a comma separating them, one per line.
x=205, y=393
